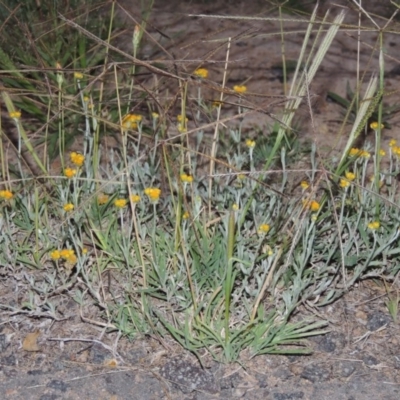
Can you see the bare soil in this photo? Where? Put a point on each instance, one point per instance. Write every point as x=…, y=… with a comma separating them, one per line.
x=75, y=358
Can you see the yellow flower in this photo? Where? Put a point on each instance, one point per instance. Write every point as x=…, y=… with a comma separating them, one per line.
x=354, y=152
x=181, y=128
x=314, y=206
x=154, y=115
x=186, y=178
x=78, y=75
x=86, y=99
x=135, y=198
x=102, y=198
x=180, y=118
x=382, y=153
x=235, y=207
x=392, y=143
x=68, y=207
x=250, y=143
x=240, y=88
x=263, y=228
x=216, y=103
x=55, y=255
x=130, y=121
x=6, y=194
x=185, y=215
x=396, y=150
x=350, y=176
x=153, y=193
x=201, y=73
x=72, y=259
x=374, y=225
x=304, y=184
x=15, y=114
x=365, y=154
x=344, y=183
x=67, y=253
x=77, y=159
x=120, y=203
x=84, y=251
x=375, y=126
x=69, y=172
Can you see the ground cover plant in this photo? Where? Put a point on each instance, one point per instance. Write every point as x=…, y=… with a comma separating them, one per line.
x=187, y=227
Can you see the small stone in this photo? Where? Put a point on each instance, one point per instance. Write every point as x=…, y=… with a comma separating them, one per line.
x=58, y=385
x=370, y=360
x=315, y=373
x=189, y=377
x=289, y=396
x=377, y=320
x=346, y=368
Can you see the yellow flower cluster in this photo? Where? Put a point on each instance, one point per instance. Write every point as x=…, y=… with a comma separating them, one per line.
x=263, y=228
x=15, y=114
x=130, y=121
x=355, y=152
x=186, y=178
x=78, y=75
x=304, y=185
x=66, y=254
x=240, y=89
x=68, y=207
x=135, y=198
x=6, y=194
x=374, y=225
x=250, y=143
x=201, y=73
x=77, y=158
x=345, y=182
x=70, y=172
x=313, y=205
x=394, y=147
x=153, y=193
x=120, y=203
x=375, y=126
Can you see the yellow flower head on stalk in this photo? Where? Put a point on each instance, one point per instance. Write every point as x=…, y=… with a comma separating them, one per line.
x=67, y=253
x=68, y=207
x=77, y=158
x=154, y=115
x=240, y=89
x=216, y=103
x=375, y=126
x=392, y=143
x=396, y=150
x=130, y=121
x=69, y=172
x=14, y=114
x=186, y=178
x=350, y=176
x=71, y=260
x=86, y=99
x=153, y=194
x=235, y=207
x=382, y=153
x=179, y=118
x=313, y=205
x=355, y=152
x=344, y=183
x=6, y=194
x=102, y=198
x=55, y=255
x=365, y=154
x=185, y=215
x=201, y=73
x=263, y=228
x=304, y=185
x=135, y=198
x=250, y=143
x=374, y=225
x=78, y=75
x=120, y=203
